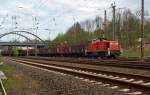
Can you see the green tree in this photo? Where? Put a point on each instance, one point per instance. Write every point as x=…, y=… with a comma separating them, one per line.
x=15, y=51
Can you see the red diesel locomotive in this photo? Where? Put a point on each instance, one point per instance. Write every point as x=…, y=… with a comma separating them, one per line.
x=103, y=48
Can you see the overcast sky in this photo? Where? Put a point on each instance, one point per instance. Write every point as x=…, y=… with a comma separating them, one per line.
x=55, y=15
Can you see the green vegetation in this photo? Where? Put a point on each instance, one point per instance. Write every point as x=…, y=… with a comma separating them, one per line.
x=15, y=51
x=135, y=52
x=0, y=53
x=15, y=79
x=75, y=34
x=127, y=32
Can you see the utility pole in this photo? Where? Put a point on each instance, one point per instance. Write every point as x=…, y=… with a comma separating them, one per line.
x=27, y=53
x=14, y=22
x=114, y=21
x=119, y=25
x=15, y=18
x=74, y=29
x=36, y=24
x=142, y=29
x=105, y=23
x=49, y=35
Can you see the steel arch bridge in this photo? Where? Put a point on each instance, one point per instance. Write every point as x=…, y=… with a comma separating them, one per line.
x=1, y=36
x=27, y=38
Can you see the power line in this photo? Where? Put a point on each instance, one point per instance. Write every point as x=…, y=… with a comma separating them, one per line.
x=41, y=3
x=4, y=19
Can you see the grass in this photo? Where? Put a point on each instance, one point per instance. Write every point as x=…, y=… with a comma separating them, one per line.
x=16, y=80
x=135, y=52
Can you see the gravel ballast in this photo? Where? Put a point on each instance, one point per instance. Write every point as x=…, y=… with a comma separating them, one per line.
x=53, y=83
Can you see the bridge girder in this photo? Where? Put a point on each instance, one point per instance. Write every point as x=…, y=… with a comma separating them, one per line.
x=1, y=36
x=12, y=32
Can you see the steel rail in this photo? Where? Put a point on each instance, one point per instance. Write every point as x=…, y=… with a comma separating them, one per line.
x=88, y=69
x=85, y=75
x=115, y=63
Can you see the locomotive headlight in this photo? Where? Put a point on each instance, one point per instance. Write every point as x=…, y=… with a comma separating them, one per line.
x=113, y=43
x=116, y=43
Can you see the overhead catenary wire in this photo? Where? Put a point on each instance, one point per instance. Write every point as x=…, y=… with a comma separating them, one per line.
x=4, y=19
x=71, y=13
x=81, y=6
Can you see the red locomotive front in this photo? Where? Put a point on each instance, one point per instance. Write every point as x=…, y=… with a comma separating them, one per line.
x=114, y=48
x=103, y=48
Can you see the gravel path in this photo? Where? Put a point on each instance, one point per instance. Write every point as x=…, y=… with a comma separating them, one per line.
x=51, y=83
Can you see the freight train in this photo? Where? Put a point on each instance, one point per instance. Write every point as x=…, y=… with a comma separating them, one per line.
x=95, y=48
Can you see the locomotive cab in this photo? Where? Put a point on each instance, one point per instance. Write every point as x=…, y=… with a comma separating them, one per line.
x=114, y=49
x=103, y=48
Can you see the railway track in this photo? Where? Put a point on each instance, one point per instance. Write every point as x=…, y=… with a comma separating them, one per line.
x=131, y=63
x=134, y=84
x=2, y=89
